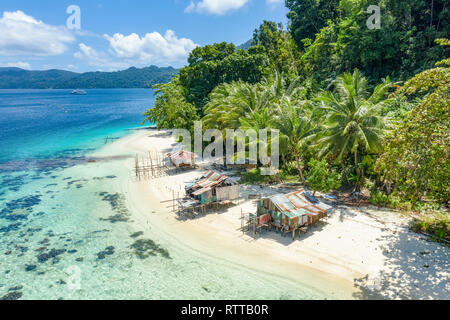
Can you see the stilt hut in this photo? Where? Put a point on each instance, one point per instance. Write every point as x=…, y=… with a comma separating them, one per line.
x=292, y=211
x=213, y=187
x=182, y=158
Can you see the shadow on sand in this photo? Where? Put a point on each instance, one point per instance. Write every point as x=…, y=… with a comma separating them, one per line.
x=417, y=269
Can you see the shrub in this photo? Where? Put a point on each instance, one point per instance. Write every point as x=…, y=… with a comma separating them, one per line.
x=320, y=178
x=379, y=198
x=254, y=177
x=436, y=224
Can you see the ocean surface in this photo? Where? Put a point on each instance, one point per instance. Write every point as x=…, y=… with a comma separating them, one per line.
x=66, y=231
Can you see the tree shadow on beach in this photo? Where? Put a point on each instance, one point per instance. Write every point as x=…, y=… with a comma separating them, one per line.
x=161, y=134
x=344, y=212
x=414, y=268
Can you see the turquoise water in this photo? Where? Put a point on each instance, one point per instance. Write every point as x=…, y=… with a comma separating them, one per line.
x=66, y=231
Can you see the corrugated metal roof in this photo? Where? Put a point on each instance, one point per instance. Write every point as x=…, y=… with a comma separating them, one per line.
x=201, y=191
x=182, y=157
x=297, y=204
x=209, y=180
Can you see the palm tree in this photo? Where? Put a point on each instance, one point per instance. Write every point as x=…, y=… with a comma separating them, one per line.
x=296, y=127
x=257, y=120
x=230, y=102
x=282, y=86
x=352, y=121
x=273, y=104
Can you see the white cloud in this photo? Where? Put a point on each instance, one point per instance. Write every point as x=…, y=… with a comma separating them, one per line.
x=153, y=48
x=218, y=7
x=191, y=7
x=23, y=34
x=18, y=64
x=98, y=59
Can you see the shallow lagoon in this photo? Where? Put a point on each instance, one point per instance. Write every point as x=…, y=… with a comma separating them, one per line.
x=66, y=231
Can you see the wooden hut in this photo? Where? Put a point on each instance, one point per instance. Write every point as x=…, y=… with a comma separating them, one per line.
x=213, y=187
x=182, y=158
x=292, y=211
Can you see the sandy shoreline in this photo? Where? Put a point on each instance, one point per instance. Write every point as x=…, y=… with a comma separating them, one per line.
x=364, y=253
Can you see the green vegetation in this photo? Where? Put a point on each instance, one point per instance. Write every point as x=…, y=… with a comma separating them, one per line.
x=415, y=156
x=435, y=224
x=171, y=108
x=336, y=39
x=15, y=78
x=320, y=178
x=357, y=108
x=254, y=177
x=220, y=63
x=353, y=124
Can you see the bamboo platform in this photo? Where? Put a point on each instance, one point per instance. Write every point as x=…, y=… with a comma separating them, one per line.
x=151, y=166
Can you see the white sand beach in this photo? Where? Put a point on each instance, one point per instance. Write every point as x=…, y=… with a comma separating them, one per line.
x=358, y=253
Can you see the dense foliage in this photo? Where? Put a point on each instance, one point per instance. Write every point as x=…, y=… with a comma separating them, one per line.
x=15, y=78
x=308, y=17
x=220, y=63
x=416, y=154
x=357, y=109
x=171, y=109
x=321, y=178
x=336, y=38
x=280, y=47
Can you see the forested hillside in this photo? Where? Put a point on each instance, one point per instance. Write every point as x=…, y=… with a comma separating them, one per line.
x=15, y=78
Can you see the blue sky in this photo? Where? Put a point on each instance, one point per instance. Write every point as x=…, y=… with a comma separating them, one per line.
x=118, y=34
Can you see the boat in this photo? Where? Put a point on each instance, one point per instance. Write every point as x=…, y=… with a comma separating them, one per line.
x=78, y=91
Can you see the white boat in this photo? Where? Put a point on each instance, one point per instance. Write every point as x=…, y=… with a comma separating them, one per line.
x=78, y=91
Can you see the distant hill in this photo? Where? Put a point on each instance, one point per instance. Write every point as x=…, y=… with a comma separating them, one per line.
x=16, y=78
x=246, y=45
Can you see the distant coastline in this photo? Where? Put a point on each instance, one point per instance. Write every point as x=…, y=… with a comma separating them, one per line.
x=16, y=78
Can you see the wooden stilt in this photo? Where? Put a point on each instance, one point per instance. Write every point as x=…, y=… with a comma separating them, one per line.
x=173, y=200
x=136, y=165
x=151, y=163
x=242, y=222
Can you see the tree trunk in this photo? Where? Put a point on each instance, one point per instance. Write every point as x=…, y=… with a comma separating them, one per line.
x=431, y=18
x=300, y=170
x=357, y=170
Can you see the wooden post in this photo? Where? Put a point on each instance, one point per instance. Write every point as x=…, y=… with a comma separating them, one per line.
x=173, y=200
x=242, y=222
x=151, y=163
x=136, y=165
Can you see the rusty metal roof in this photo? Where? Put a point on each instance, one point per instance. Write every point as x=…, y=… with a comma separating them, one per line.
x=298, y=204
x=208, y=181
x=182, y=157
